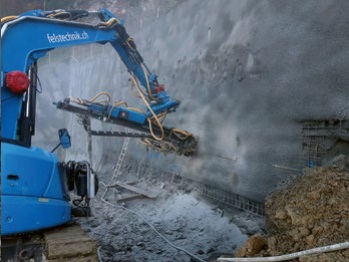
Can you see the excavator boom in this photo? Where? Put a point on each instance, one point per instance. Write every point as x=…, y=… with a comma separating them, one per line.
x=39, y=185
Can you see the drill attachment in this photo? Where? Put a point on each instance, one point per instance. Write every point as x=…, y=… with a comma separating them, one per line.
x=159, y=138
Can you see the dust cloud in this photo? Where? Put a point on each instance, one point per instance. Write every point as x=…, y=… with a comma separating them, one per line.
x=246, y=72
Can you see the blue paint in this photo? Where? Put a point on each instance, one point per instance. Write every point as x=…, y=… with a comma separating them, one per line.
x=32, y=192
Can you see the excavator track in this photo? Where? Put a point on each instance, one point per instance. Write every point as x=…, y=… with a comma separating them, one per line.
x=60, y=244
x=22, y=248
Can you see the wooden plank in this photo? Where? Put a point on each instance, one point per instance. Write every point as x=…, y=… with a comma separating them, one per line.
x=66, y=231
x=129, y=183
x=77, y=248
x=134, y=189
x=129, y=198
x=90, y=258
x=69, y=242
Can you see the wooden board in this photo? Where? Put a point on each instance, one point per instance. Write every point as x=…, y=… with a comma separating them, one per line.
x=90, y=258
x=129, y=198
x=69, y=242
x=134, y=189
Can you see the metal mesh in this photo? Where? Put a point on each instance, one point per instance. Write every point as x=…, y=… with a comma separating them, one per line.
x=234, y=200
x=317, y=136
x=226, y=197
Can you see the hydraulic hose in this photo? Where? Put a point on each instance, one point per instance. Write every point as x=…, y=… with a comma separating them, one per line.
x=313, y=251
x=7, y=18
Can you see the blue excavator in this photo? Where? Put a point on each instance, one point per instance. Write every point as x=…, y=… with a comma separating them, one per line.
x=35, y=184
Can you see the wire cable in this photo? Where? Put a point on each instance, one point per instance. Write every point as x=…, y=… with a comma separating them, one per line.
x=308, y=252
x=93, y=99
x=149, y=224
x=99, y=254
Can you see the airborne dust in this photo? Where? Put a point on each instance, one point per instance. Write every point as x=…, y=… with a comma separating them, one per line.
x=246, y=73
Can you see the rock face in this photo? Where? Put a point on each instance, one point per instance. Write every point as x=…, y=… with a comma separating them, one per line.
x=313, y=212
x=246, y=72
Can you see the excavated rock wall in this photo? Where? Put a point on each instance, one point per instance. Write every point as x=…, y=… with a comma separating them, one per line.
x=246, y=71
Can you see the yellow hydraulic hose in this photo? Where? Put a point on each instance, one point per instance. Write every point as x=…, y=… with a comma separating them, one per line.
x=7, y=18
x=57, y=14
x=110, y=22
x=152, y=112
x=147, y=80
x=100, y=94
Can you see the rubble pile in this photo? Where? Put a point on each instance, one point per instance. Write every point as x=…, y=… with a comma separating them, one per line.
x=312, y=212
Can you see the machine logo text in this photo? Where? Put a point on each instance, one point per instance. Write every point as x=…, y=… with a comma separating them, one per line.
x=58, y=38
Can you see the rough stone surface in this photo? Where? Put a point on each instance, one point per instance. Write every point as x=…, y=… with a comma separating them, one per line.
x=313, y=212
x=253, y=246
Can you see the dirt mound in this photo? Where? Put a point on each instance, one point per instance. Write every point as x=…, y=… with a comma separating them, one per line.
x=313, y=212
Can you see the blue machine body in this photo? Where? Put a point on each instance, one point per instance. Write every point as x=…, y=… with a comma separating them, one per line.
x=33, y=190
x=33, y=193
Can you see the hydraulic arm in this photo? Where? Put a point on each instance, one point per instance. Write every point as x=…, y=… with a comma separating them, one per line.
x=35, y=33
x=34, y=193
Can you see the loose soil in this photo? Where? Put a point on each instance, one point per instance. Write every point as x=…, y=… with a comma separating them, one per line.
x=312, y=212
